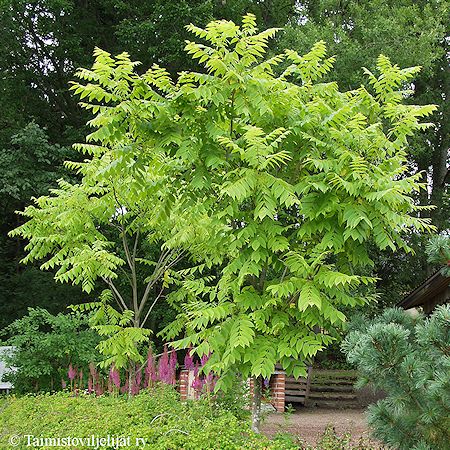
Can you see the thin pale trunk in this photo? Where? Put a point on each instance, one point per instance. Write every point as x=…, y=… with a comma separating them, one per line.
x=257, y=381
x=256, y=404
x=130, y=381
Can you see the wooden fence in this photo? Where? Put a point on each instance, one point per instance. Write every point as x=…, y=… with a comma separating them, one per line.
x=323, y=388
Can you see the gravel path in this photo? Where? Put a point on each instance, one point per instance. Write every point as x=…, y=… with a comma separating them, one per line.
x=310, y=423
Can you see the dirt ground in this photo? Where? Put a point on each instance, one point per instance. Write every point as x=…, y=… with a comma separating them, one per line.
x=310, y=423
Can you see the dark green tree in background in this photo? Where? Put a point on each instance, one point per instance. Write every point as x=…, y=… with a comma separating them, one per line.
x=30, y=165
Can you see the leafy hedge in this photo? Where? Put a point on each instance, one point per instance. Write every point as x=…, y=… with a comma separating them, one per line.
x=159, y=417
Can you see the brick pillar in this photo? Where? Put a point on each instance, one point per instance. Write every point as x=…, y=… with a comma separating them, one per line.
x=251, y=386
x=277, y=389
x=184, y=381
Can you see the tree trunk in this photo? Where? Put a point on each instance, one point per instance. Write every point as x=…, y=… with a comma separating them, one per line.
x=256, y=404
x=130, y=380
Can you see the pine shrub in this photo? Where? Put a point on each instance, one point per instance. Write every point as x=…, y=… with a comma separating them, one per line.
x=409, y=359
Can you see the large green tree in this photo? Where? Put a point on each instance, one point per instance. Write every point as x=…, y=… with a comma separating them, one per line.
x=306, y=176
x=274, y=178
x=44, y=41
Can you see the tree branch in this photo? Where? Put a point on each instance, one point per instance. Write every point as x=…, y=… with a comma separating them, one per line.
x=151, y=307
x=116, y=292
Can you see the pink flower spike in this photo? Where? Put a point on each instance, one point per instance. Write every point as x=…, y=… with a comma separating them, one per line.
x=72, y=373
x=197, y=384
x=135, y=388
x=188, y=361
x=114, y=376
x=173, y=367
x=98, y=389
x=93, y=371
x=138, y=378
x=150, y=371
x=63, y=384
x=124, y=388
x=196, y=370
x=205, y=358
x=164, y=367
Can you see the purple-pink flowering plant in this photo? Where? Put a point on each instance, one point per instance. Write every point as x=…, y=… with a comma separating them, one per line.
x=188, y=360
x=125, y=387
x=72, y=372
x=150, y=370
x=90, y=385
x=204, y=359
x=99, y=388
x=173, y=368
x=93, y=371
x=114, y=376
x=164, y=371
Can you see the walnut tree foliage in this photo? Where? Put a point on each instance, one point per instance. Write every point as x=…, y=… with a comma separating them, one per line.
x=408, y=358
x=303, y=176
x=409, y=32
x=43, y=43
x=110, y=222
x=271, y=180
x=122, y=343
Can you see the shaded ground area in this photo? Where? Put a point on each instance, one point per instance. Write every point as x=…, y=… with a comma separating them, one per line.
x=310, y=423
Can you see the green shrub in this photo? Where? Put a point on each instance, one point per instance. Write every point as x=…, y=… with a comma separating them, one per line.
x=158, y=417
x=45, y=345
x=409, y=359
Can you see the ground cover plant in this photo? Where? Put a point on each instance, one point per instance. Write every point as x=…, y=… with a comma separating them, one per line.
x=157, y=416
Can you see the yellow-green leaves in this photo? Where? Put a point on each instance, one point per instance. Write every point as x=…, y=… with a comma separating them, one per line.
x=307, y=176
x=241, y=334
x=309, y=296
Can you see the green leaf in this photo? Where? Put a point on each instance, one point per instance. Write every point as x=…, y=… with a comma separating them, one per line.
x=309, y=296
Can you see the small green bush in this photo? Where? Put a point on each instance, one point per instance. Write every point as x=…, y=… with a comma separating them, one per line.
x=331, y=440
x=158, y=417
